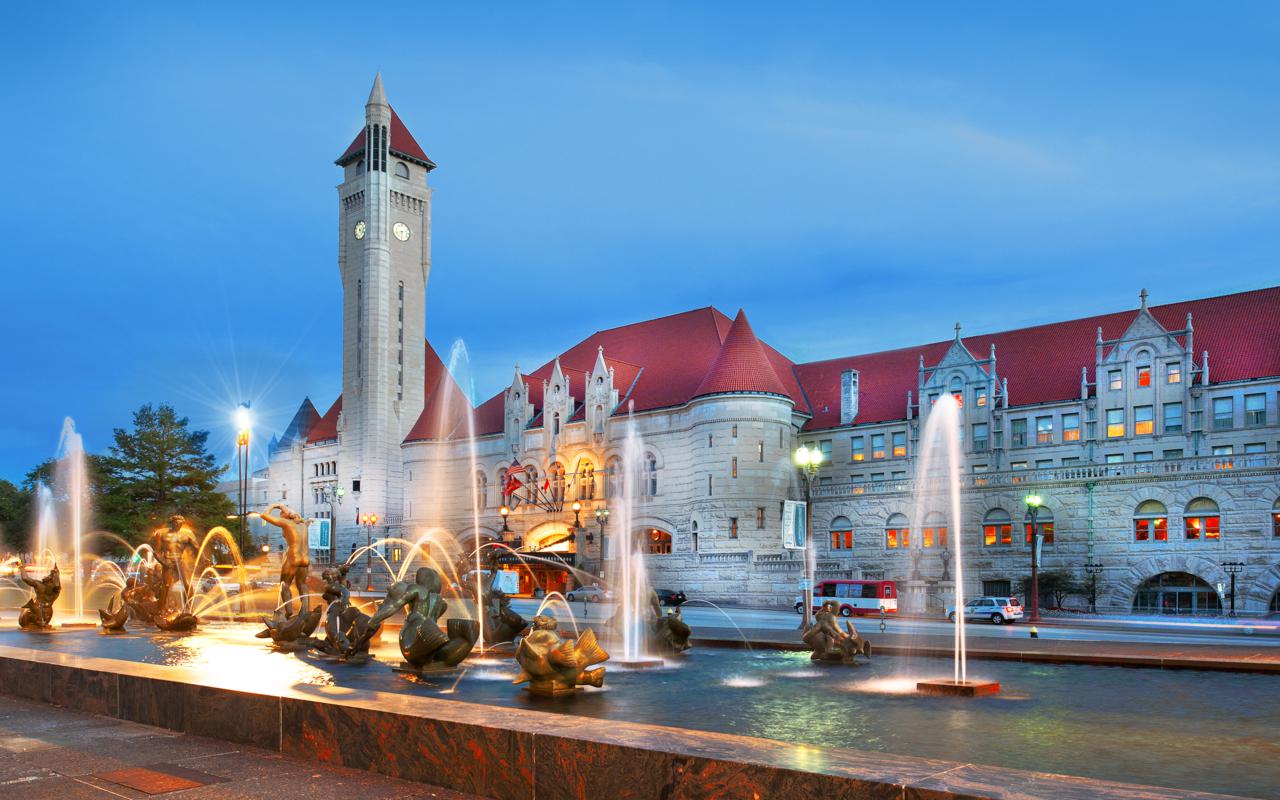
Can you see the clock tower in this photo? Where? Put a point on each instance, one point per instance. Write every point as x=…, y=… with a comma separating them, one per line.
x=384, y=257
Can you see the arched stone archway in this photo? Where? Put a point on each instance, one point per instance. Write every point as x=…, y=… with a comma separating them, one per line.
x=1123, y=585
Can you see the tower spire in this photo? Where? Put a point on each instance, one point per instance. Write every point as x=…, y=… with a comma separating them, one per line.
x=377, y=97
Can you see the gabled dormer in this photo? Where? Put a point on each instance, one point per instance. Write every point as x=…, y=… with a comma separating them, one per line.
x=1145, y=356
x=974, y=382
x=557, y=403
x=518, y=410
x=601, y=397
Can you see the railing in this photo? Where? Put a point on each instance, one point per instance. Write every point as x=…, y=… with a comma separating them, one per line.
x=1176, y=467
x=731, y=557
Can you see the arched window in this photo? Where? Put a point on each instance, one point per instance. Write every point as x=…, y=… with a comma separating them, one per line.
x=1143, y=369
x=613, y=478
x=650, y=479
x=1176, y=593
x=695, y=536
x=1044, y=525
x=500, y=481
x=659, y=542
x=1151, y=522
x=841, y=534
x=402, y=170
x=555, y=474
x=935, y=530
x=956, y=388
x=1202, y=521
x=897, y=532
x=482, y=490
x=586, y=480
x=599, y=418
x=1275, y=518
x=555, y=424
x=997, y=528
x=531, y=482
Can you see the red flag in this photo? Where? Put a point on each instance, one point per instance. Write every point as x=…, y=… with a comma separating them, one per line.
x=512, y=485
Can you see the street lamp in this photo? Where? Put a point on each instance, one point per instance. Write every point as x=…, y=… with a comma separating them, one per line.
x=808, y=460
x=1233, y=569
x=244, y=423
x=368, y=521
x=1034, y=502
x=1093, y=569
x=602, y=518
x=577, y=515
x=504, y=512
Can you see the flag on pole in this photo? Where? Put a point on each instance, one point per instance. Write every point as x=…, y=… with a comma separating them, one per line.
x=513, y=478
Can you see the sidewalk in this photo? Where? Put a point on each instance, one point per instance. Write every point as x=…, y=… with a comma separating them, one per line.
x=52, y=753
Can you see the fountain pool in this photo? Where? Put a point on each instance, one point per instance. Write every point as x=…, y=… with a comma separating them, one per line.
x=1143, y=726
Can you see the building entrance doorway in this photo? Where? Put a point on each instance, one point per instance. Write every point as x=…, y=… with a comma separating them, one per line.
x=1176, y=593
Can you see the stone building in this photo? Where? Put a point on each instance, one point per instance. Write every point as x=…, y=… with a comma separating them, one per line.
x=1152, y=435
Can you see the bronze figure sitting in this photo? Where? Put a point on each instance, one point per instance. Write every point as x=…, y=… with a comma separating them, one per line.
x=555, y=666
x=422, y=643
x=347, y=629
x=829, y=642
x=670, y=630
x=37, y=612
x=503, y=624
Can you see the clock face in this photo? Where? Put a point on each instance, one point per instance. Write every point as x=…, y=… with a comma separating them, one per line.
x=401, y=231
x=360, y=227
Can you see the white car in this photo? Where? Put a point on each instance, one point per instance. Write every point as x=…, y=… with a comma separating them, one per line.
x=997, y=609
x=590, y=594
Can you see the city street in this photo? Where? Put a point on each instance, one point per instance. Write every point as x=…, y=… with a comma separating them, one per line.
x=1255, y=633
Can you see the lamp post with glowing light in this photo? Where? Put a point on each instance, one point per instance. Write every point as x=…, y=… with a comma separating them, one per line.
x=1093, y=569
x=368, y=521
x=244, y=423
x=1034, y=503
x=808, y=460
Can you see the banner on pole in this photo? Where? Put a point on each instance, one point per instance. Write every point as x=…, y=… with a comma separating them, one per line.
x=794, y=516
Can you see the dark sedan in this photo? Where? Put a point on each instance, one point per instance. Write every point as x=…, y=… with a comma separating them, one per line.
x=671, y=597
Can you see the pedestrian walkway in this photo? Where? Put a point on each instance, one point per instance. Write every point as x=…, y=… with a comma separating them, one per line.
x=52, y=753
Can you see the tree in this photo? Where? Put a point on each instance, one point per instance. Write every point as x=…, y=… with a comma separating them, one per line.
x=157, y=469
x=13, y=517
x=1055, y=587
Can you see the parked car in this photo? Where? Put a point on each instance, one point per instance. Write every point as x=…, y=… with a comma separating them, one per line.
x=997, y=609
x=590, y=594
x=671, y=597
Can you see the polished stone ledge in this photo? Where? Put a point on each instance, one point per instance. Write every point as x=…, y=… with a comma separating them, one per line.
x=511, y=753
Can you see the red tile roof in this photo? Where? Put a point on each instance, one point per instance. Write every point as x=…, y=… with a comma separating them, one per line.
x=327, y=428
x=444, y=410
x=402, y=144
x=1042, y=363
x=741, y=366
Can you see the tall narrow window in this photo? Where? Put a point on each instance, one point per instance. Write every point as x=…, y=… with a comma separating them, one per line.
x=857, y=448
x=1223, y=413
x=650, y=475
x=979, y=437
x=899, y=444
x=1173, y=372
x=1255, y=409
x=1115, y=423
x=1115, y=380
x=1070, y=427
x=1018, y=432
x=760, y=452
x=1143, y=421
x=733, y=527
x=980, y=397
x=1173, y=417
x=760, y=518
x=1144, y=375
x=735, y=467
x=877, y=445
x=1044, y=430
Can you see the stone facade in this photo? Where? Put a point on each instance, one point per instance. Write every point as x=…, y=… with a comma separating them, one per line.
x=1150, y=422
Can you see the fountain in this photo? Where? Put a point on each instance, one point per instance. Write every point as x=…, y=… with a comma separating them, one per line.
x=629, y=578
x=942, y=433
x=422, y=643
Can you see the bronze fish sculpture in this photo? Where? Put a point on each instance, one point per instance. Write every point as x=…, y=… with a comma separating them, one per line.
x=282, y=629
x=553, y=665
x=114, y=616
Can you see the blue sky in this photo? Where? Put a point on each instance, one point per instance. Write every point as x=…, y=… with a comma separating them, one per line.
x=857, y=178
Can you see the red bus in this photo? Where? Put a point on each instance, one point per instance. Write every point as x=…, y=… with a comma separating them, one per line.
x=854, y=597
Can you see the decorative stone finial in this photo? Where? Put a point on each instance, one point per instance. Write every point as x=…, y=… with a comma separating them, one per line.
x=1142, y=295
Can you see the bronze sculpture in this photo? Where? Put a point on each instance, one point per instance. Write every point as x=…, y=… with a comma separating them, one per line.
x=828, y=642
x=297, y=561
x=284, y=630
x=422, y=643
x=37, y=612
x=141, y=596
x=115, y=615
x=502, y=622
x=669, y=631
x=347, y=628
x=174, y=547
x=554, y=666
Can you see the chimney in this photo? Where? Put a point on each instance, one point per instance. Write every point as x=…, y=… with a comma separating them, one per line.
x=848, y=396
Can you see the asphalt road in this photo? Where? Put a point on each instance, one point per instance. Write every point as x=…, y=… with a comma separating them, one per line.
x=1256, y=633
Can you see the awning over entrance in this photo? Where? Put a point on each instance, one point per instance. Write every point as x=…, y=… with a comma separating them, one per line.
x=534, y=559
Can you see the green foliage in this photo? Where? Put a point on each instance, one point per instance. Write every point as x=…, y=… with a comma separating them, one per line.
x=159, y=468
x=1055, y=587
x=13, y=516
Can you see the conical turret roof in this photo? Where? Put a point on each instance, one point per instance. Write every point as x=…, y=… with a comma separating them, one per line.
x=741, y=366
